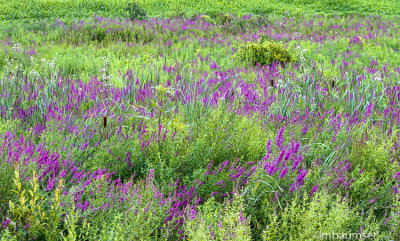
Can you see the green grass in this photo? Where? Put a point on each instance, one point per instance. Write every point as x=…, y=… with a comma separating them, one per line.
x=31, y=10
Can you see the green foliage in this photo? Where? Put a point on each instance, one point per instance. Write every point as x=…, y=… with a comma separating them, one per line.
x=219, y=221
x=31, y=217
x=394, y=218
x=139, y=217
x=135, y=11
x=6, y=181
x=373, y=156
x=70, y=224
x=6, y=235
x=265, y=53
x=224, y=18
x=50, y=9
x=372, y=174
x=264, y=195
x=121, y=156
x=211, y=136
x=308, y=219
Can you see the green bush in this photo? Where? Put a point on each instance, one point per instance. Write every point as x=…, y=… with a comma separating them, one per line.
x=265, y=53
x=135, y=11
x=216, y=221
x=372, y=174
x=7, y=236
x=133, y=212
x=308, y=219
x=32, y=216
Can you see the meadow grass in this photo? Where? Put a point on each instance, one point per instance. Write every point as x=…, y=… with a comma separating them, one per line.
x=155, y=129
x=37, y=10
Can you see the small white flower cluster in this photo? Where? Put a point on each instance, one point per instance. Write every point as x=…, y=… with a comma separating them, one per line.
x=105, y=70
x=377, y=76
x=17, y=48
x=9, y=63
x=12, y=66
x=302, y=61
x=49, y=63
x=35, y=74
x=51, y=67
x=302, y=52
x=279, y=83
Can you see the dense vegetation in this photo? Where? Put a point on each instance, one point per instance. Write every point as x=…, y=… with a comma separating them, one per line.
x=83, y=9
x=218, y=126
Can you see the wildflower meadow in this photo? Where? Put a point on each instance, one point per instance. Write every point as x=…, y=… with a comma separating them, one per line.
x=199, y=120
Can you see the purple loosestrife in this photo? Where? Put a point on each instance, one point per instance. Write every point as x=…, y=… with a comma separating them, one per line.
x=283, y=173
x=340, y=175
x=314, y=189
x=4, y=224
x=280, y=138
x=355, y=40
x=282, y=163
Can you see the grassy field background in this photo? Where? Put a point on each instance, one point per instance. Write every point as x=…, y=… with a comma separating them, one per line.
x=81, y=9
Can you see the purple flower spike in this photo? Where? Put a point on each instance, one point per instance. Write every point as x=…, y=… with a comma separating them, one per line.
x=280, y=138
x=314, y=189
x=4, y=224
x=283, y=173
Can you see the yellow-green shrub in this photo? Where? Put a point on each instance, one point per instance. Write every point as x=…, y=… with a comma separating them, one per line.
x=216, y=221
x=30, y=217
x=325, y=213
x=265, y=53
